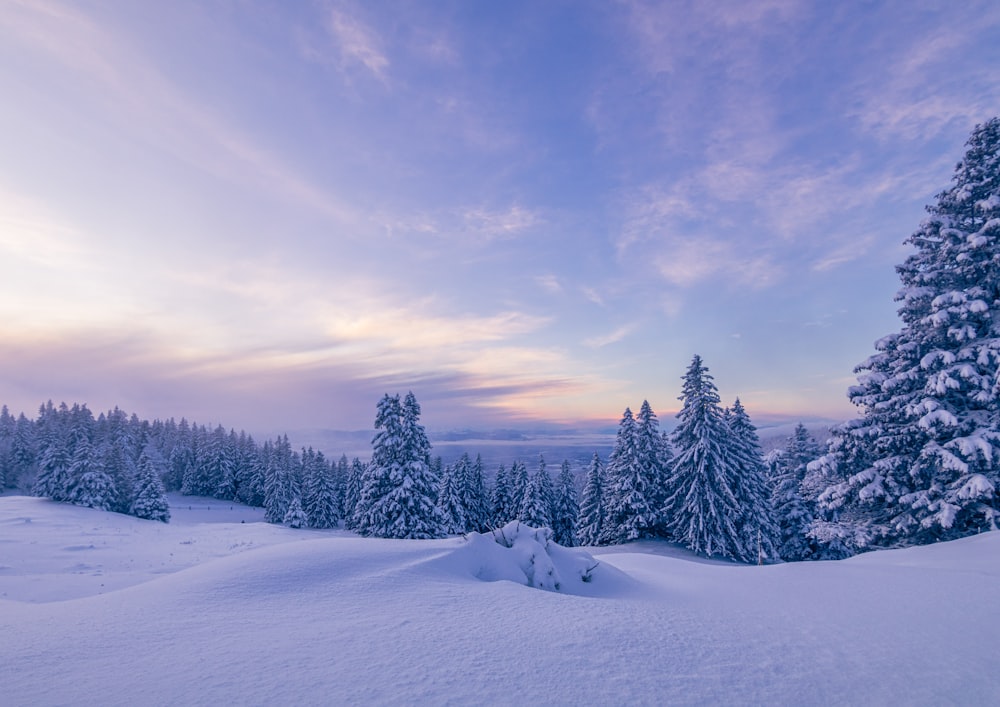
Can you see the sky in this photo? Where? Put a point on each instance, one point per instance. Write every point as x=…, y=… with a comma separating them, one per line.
x=269, y=214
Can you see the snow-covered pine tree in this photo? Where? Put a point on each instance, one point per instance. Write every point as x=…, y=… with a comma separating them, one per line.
x=536, y=506
x=53, y=468
x=252, y=472
x=400, y=493
x=179, y=455
x=927, y=445
x=449, y=501
x=792, y=511
x=319, y=491
x=90, y=484
x=24, y=454
x=752, y=490
x=279, y=482
x=629, y=513
x=590, y=525
x=115, y=455
x=7, y=426
x=220, y=467
x=150, y=501
x=500, y=499
x=518, y=484
x=567, y=510
x=295, y=517
x=475, y=501
x=702, y=510
x=548, y=489
x=653, y=456
x=117, y=447
x=352, y=491
x=198, y=479
x=341, y=471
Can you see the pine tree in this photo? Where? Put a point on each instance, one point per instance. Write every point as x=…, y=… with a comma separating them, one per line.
x=590, y=527
x=702, y=509
x=90, y=484
x=319, y=491
x=653, y=458
x=475, y=501
x=279, y=481
x=756, y=525
x=792, y=511
x=629, y=512
x=53, y=472
x=400, y=493
x=449, y=502
x=341, y=472
x=920, y=464
x=567, y=510
x=352, y=491
x=295, y=517
x=500, y=500
x=518, y=483
x=24, y=453
x=536, y=506
x=150, y=500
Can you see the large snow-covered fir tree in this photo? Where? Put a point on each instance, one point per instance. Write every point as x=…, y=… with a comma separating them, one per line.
x=702, y=509
x=630, y=493
x=400, y=490
x=922, y=463
x=590, y=525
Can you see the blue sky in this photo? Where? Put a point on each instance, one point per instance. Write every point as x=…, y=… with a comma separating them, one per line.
x=267, y=214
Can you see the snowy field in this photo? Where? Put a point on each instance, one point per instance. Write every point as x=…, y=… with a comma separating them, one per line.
x=220, y=608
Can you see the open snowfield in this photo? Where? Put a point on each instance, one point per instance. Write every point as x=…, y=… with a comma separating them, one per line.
x=102, y=609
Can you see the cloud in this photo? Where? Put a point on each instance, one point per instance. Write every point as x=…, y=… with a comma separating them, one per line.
x=487, y=224
x=598, y=342
x=356, y=43
x=932, y=80
x=549, y=283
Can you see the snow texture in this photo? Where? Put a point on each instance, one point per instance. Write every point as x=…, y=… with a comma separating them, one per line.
x=96, y=606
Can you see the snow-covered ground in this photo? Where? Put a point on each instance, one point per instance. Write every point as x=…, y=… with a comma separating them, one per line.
x=97, y=608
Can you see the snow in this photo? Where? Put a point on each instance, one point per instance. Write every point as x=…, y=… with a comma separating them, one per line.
x=207, y=609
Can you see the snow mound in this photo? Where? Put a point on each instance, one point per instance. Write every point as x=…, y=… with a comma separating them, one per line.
x=526, y=555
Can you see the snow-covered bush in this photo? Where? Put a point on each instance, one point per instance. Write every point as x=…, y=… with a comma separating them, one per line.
x=520, y=553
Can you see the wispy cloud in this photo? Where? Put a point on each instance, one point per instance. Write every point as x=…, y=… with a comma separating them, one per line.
x=357, y=44
x=550, y=283
x=489, y=224
x=598, y=342
x=922, y=89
